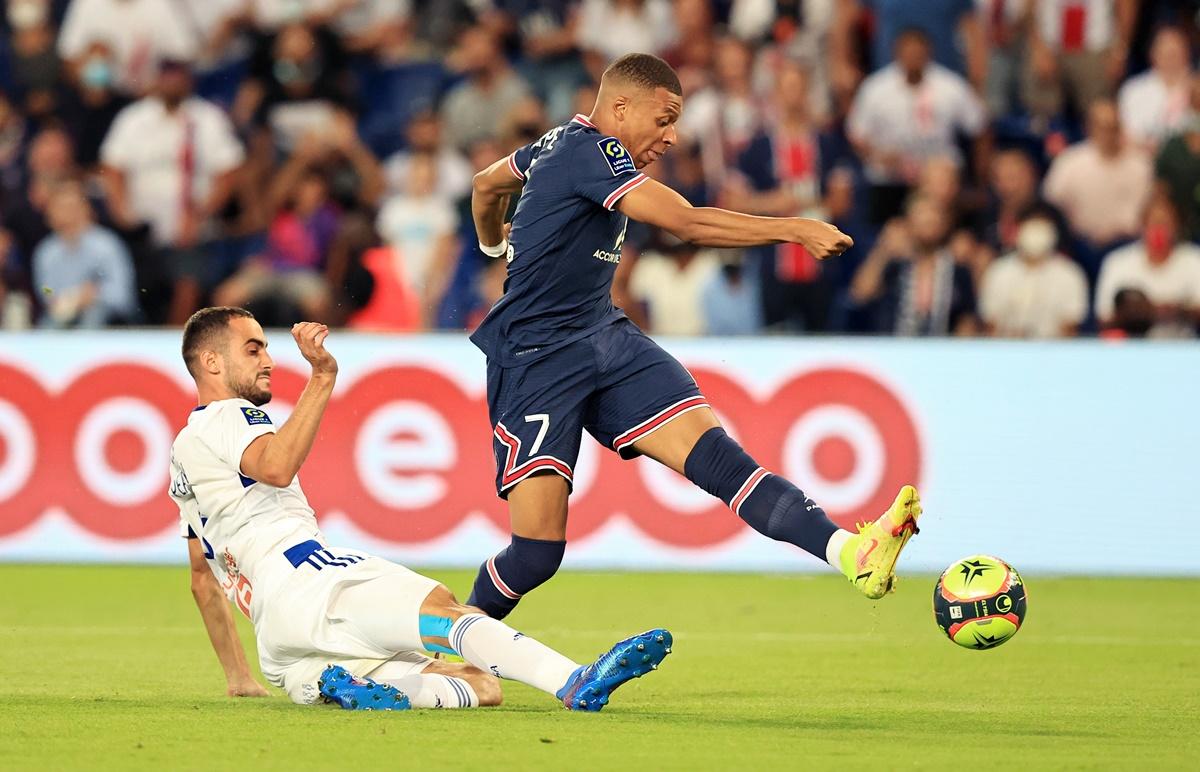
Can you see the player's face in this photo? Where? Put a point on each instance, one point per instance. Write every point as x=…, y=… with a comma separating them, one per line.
x=649, y=125
x=247, y=364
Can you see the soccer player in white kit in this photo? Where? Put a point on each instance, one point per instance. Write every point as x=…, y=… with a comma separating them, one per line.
x=331, y=622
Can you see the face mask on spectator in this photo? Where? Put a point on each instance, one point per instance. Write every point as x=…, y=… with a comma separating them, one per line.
x=97, y=73
x=23, y=14
x=1036, y=238
x=1158, y=239
x=291, y=73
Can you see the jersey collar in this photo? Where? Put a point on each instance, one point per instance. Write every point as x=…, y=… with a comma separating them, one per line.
x=580, y=118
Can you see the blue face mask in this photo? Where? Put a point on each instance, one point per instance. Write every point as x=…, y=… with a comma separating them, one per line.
x=97, y=73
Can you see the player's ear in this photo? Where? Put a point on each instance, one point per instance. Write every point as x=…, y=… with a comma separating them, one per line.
x=210, y=361
x=621, y=107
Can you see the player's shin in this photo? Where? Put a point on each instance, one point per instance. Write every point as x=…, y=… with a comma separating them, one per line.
x=494, y=647
x=519, y=568
x=429, y=690
x=767, y=502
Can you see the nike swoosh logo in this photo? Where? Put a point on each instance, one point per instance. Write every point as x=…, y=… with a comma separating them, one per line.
x=863, y=556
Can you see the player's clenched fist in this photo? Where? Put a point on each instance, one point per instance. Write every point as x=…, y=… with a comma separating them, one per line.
x=310, y=339
x=823, y=240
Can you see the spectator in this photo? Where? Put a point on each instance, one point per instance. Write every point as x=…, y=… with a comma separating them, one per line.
x=84, y=270
x=49, y=163
x=1160, y=265
x=424, y=135
x=16, y=309
x=950, y=27
x=377, y=28
x=692, y=54
x=1013, y=190
x=723, y=118
x=1154, y=104
x=1177, y=167
x=669, y=281
x=795, y=29
x=609, y=29
x=1004, y=25
x=1035, y=292
x=298, y=82
x=305, y=223
x=92, y=102
x=1100, y=185
x=169, y=161
x=34, y=61
x=912, y=279
x=1077, y=53
x=785, y=168
x=731, y=302
x=140, y=34
x=421, y=228
x=547, y=31
x=906, y=113
x=1133, y=316
x=472, y=109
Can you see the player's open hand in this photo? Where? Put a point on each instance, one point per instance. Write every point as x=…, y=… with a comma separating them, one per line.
x=247, y=687
x=310, y=339
x=823, y=240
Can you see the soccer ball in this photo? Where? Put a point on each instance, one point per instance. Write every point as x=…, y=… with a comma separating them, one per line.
x=979, y=602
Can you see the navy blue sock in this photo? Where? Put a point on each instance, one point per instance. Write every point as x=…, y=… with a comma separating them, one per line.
x=515, y=570
x=767, y=502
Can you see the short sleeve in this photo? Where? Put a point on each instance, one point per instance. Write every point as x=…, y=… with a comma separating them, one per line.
x=519, y=162
x=602, y=171
x=231, y=431
x=222, y=148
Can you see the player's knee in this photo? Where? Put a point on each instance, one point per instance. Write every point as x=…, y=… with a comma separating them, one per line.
x=441, y=602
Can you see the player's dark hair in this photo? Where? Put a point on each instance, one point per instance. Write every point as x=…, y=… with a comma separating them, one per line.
x=205, y=325
x=645, y=70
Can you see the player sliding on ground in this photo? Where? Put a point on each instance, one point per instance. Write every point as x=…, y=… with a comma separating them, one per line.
x=331, y=622
x=562, y=359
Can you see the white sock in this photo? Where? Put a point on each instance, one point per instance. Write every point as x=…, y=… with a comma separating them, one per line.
x=833, y=550
x=493, y=646
x=434, y=691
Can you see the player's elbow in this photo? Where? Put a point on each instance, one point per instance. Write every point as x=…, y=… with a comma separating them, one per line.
x=686, y=225
x=204, y=584
x=485, y=184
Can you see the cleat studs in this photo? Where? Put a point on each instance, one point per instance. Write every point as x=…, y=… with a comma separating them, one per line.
x=583, y=703
x=623, y=662
x=641, y=647
x=654, y=667
x=645, y=658
x=668, y=649
x=658, y=639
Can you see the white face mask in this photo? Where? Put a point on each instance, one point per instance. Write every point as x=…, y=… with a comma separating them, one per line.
x=1037, y=238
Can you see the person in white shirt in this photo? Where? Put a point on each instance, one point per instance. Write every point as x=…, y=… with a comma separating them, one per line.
x=331, y=622
x=906, y=113
x=140, y=33
x=169, y=161
x=670, y=281
x=1155, y=104
x=1166, y=269
x=1101, y=184
x=1035, y=292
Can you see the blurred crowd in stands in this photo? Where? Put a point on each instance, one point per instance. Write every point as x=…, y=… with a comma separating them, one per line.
x=1018, y=168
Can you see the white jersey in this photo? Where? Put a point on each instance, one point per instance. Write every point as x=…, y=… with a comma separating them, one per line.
x=245, y=526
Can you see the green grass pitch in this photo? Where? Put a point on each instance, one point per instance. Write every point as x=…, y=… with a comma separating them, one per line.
x=109, y=668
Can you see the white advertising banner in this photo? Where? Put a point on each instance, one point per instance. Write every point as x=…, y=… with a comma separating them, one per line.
x=1074, y=457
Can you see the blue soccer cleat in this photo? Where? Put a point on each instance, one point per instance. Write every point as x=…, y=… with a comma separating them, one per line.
x=588, y=687
x=353, y=693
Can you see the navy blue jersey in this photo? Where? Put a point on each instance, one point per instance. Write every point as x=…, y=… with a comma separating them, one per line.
x=564, y=246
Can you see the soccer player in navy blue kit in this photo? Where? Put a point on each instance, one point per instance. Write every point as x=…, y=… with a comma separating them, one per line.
x=561, y=358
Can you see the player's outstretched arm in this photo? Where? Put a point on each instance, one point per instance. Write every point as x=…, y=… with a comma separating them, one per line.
x=655, y=204
x=218, y=620
x=276, y=458
x=490, y=194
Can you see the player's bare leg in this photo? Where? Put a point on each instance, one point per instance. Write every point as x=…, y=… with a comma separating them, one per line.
x=537, y=508
x=695, y=445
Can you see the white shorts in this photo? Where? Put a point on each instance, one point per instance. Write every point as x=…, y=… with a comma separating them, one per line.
x=361, y=615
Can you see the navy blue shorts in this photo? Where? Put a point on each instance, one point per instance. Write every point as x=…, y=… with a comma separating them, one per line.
x=617, y=383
